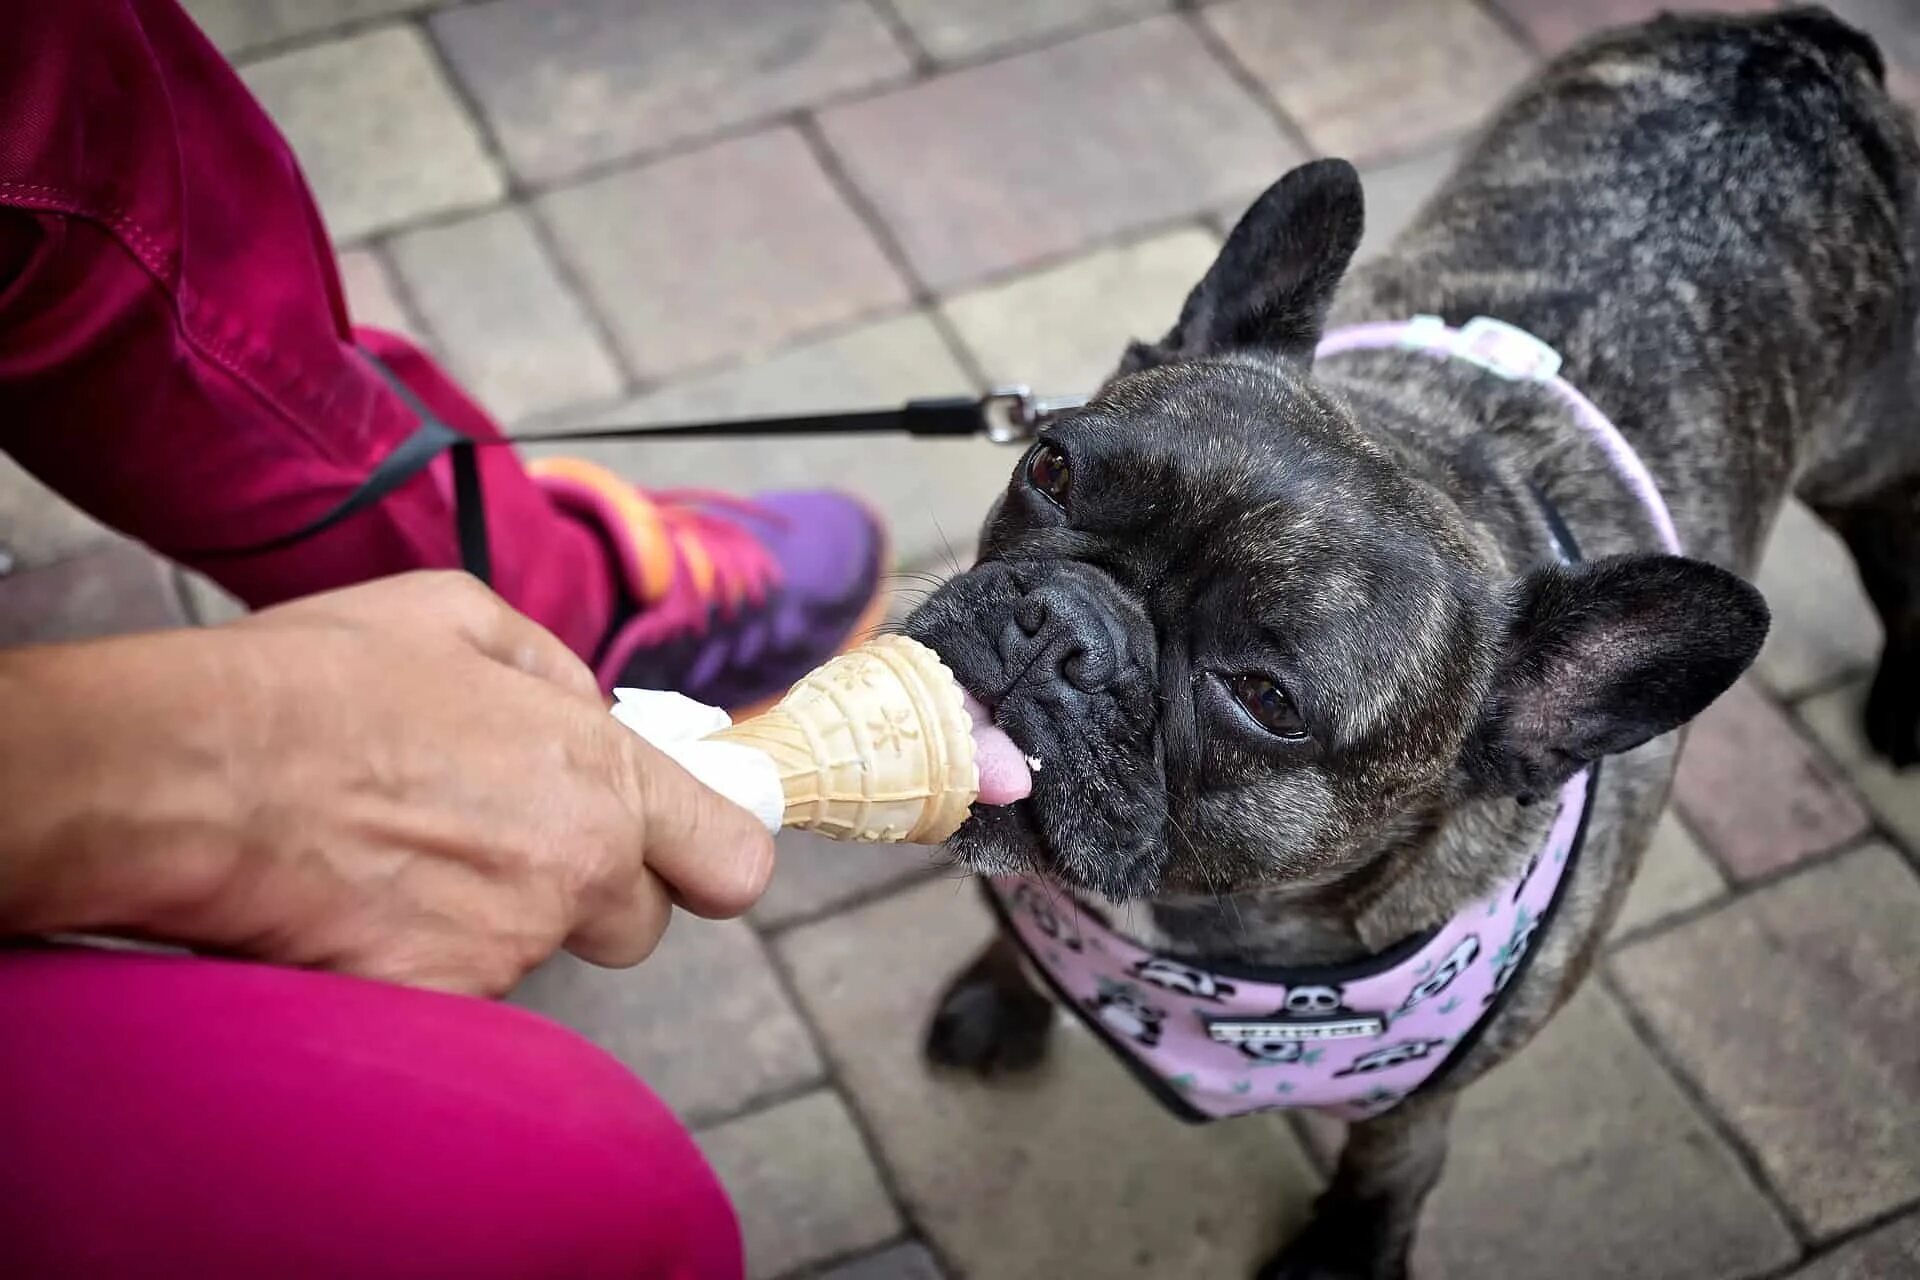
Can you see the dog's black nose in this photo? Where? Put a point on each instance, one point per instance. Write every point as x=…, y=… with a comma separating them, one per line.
x=1060, y=633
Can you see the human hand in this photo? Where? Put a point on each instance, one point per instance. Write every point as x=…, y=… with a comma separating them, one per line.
x=405, y=780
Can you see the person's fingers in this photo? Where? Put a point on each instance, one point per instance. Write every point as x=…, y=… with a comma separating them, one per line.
x=508, y=636
x=627, y=931
x=714, y=855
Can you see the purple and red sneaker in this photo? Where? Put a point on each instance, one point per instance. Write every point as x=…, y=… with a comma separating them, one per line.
x=734, y=600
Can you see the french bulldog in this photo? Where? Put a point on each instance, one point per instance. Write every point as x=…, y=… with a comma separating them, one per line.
x=1291, y=637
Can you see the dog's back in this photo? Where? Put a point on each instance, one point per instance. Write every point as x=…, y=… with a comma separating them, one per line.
x=1715, y=220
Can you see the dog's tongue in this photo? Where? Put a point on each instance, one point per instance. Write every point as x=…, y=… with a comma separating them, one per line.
x=1004, y=776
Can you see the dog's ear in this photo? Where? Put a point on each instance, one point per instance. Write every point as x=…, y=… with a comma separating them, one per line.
x=1602, y=657
x=1268, y=290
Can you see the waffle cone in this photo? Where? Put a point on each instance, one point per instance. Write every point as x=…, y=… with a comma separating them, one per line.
x=876, y=745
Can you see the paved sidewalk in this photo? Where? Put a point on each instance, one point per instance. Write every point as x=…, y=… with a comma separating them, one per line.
x=621, y=209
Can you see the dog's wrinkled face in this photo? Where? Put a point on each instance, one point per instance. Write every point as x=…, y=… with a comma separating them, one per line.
x=1242, y=640
x=1196, y=606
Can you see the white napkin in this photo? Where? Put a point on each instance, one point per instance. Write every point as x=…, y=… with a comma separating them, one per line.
x=678, y=726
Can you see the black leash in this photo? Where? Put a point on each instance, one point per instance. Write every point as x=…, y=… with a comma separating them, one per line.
x=1011, y=415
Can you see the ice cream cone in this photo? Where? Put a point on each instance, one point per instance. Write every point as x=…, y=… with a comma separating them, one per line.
x=876, y=745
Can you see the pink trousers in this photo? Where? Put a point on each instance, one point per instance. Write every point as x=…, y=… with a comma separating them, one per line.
x=176, y=357
x=171, y=1117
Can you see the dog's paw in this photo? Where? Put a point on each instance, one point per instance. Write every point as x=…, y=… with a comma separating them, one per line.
x=1333, y=1248
x=985, y=1028
x=1892, y=718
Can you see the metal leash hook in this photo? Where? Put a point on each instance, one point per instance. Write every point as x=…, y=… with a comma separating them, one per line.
x=1014, y=414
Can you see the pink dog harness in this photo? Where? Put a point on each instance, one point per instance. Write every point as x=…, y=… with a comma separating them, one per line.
x=1350, y=1039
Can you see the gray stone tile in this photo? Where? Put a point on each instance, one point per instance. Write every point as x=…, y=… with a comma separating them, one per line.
x=1755, y=792
x=703, y=1021
x=1582, y=1158
x=571, y=84
x=1890, y=1253
x=373, y=299
x=1794, y=1009
x=1395, y=192
x=1893, y=796
x=112, y=589
x=932, y=493
x=955, y=29
x=510, y=330
x=1062, y=330
x=1674, y=875
x=815, y=874
x=1073, y=1171
x=37, y=525
x=1554, y=24
x=240, y=25
x=802, y=1183
x=207, y=603
x=1823, y=627
x=901, y=1262
x=1005, y=164
x=1377, y=79
x=731, y=251
x=379, y=134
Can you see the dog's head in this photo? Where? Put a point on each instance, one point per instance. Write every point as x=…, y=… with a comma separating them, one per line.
x=1247, y=643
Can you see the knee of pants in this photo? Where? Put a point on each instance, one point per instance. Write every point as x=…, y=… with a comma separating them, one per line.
x=168, y=1116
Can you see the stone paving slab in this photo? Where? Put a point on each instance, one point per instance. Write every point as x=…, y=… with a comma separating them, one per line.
x=1062, y=330
x=1755, y=793
x=814, y=875
x=703, y=1021
x=802, y=1182
x=373, y=298
x=1890, y=1253
x=902, y=1262
x=1794, y=1008
x=933, y=493
x=1074, y=1171
x=378, y=131
x=237, y=26
x=1894, y=797
x=951, y=32
x=205, y=602
x=510, y=330
x=111, y=589
x=1553, y=25
x=39, y=527
x=1376, y=80
x=1003, y=165
x=1580, y=1158
x=567, y=85
x=1823, y=628
x=733, y=250
x=1676, y=874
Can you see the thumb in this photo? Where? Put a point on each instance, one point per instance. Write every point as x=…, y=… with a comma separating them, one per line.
x=713, y=855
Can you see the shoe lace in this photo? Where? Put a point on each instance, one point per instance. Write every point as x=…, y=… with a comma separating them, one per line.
x=727, y=567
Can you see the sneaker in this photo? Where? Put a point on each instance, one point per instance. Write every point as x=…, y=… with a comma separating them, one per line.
x=733, y=600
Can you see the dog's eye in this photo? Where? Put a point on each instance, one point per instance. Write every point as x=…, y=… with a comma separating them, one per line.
x=1269, y=706
x=1047, y=471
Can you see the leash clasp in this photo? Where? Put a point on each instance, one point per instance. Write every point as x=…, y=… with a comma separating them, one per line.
x=1014, y=414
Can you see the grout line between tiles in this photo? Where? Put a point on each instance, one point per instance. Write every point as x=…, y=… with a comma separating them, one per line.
x=1697, y=1097
x=863, y=1127
x=1737, y=890
x=1249, y=83
x=1840, y=1239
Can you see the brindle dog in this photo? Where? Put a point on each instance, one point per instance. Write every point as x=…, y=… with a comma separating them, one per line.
x=1293, y=641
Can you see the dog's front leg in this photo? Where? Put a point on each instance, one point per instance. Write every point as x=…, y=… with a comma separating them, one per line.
x=991, y=1019
x=1363, y=1224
